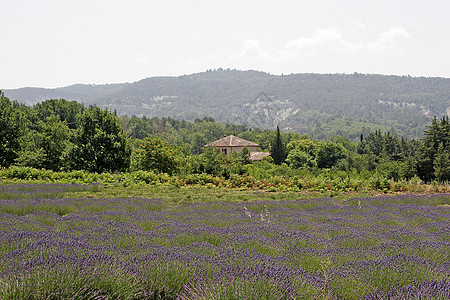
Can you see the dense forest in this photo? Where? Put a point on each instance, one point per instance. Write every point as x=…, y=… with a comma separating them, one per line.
x=63, y=135
x=319, y=105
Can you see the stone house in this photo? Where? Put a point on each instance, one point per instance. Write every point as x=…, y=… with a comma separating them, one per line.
x=231, y=143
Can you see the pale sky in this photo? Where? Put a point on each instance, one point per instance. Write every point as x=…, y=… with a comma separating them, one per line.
x=54, y=43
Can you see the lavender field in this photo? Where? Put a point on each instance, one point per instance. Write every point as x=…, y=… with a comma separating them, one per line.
x=394, y=247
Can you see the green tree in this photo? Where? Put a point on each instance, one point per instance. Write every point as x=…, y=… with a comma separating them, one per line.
x=391, y=146
x=99, y=143
x=211, y=161
x=298, y=159
x=329, y=154
x=245, y=155
x=442, y=164
x=197, y=142
x=12, y=130
x=278, y=149
x=61, y=108
x=373, y=143
x=155, y=155
x=306, y=145
x=46, y=145
x=436, y=134
x=236, y=163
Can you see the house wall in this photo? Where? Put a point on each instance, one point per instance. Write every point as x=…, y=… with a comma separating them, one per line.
x=230, y=150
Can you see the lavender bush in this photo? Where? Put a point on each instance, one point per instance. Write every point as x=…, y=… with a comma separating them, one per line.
x=136, y=248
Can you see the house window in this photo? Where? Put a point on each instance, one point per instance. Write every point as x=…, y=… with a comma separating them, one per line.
x=224, y=150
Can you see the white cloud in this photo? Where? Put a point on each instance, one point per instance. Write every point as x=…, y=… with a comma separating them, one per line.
x=343, y=49
x=250, y=49
x=322, y=39
x=390, y=39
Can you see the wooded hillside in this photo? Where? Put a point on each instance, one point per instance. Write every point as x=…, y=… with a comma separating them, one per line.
x=320, y=105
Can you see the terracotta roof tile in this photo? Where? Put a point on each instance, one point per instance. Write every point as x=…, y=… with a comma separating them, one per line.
x=256, y=156
x=232, y=141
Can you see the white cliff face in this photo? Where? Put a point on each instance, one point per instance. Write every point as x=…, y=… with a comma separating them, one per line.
x=431, y=114
x=268, y=112
x=159, y=102
x=425, y=110
x=397, y=104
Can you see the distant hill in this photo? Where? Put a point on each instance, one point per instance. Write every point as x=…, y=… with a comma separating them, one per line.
x=321, y=105
x=83, y=93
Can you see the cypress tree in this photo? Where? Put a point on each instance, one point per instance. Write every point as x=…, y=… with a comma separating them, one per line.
x=278, y=149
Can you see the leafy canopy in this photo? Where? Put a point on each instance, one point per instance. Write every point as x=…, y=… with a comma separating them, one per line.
x=12, y=130
x=155, y=155
x=99, y=143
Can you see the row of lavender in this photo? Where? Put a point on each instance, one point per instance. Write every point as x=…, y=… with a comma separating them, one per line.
x=372, y=248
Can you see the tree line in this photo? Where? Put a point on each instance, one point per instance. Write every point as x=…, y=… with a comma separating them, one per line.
x=62, y=135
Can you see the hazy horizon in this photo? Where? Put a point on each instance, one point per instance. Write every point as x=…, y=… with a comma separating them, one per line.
x=51, y=43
